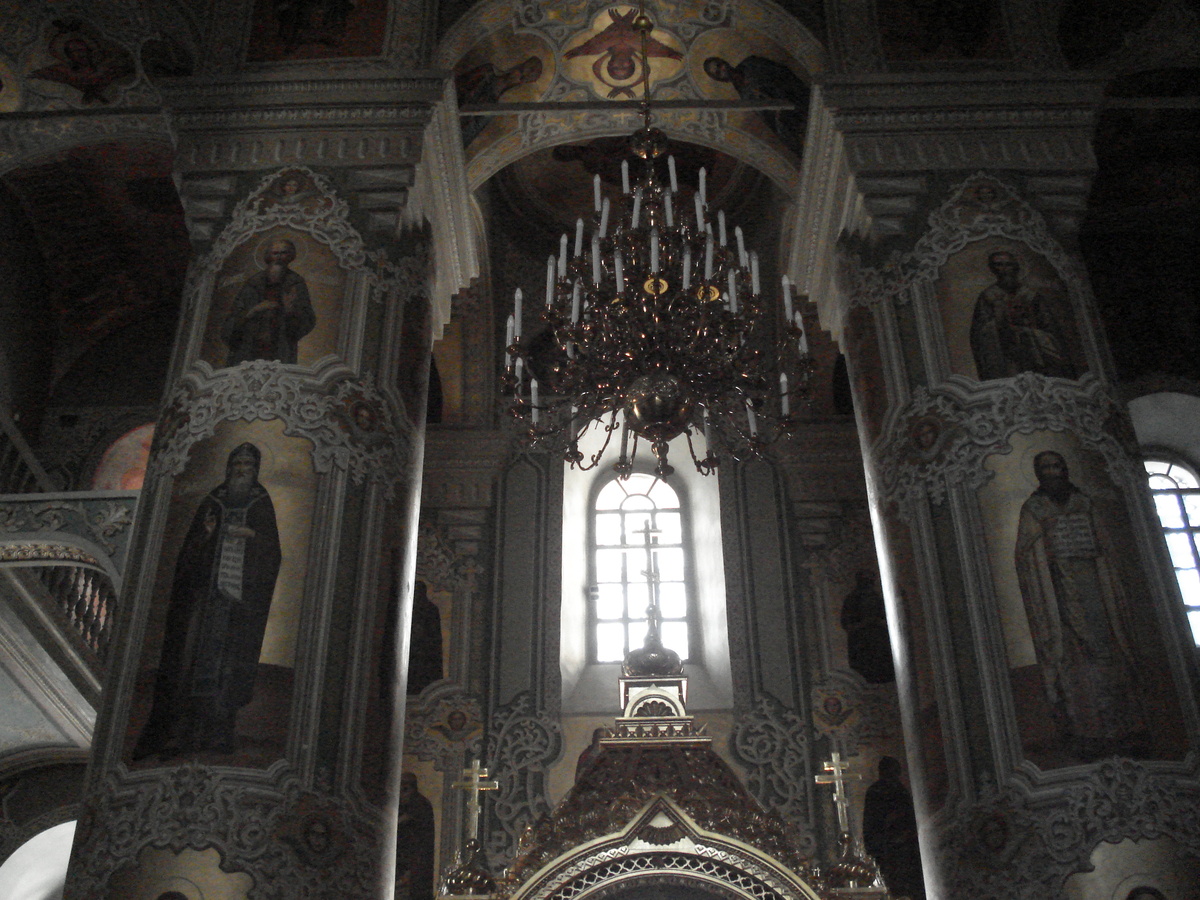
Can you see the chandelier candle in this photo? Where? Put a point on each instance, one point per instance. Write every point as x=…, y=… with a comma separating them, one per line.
x=656, y=328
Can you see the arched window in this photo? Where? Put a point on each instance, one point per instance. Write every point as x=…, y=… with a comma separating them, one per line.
x=1176, y=492
x=626, y=513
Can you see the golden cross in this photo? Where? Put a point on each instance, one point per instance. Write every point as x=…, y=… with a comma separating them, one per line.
x=838, y=779
x=473, y=783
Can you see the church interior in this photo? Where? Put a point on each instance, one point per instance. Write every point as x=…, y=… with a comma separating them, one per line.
x=292, y=604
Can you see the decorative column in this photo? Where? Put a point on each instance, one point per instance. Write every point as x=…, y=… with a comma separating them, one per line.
x=250, y=739
x=1044, y=672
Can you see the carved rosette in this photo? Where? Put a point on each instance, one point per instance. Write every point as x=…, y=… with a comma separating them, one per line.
x=271, y=829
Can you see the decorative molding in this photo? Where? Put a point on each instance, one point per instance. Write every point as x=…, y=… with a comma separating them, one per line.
x=294, y=843
x=1046, y=840
x=440, y=195
x=522, y=744
x=772, y=743
x=102, y=520
x=973, y=424
x=24, y=140
x=315, y=405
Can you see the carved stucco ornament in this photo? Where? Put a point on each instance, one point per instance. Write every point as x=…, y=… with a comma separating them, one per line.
x=318, y=405
x=941, y=437
x=1051, y=835
x=295, y=844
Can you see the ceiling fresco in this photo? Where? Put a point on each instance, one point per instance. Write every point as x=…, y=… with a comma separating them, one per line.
x=109, y=227
x=585, y=52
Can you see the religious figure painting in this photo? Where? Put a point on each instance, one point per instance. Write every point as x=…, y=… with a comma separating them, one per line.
x=1006, y=311
x=740, y=65
x=93, y=68
x=278, y=297
x=316, y=29
x=216, y=673
x=608, y=55
x=1086, y=662
x=509, y=69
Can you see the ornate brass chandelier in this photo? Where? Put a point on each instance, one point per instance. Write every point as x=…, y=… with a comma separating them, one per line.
x=656, y=326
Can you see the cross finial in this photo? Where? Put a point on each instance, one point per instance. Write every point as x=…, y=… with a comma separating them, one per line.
x=838, y=778
x=474, y=783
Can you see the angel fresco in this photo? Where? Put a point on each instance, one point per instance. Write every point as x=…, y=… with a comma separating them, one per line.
x=616, y=49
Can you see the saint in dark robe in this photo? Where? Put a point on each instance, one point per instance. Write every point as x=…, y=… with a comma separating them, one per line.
x=868, y=645
x=759, y=78
x=224, y=579
x=414, y=843
x=890, y=832
x=1076, y=607
x=1015, y=329
x=425, y=649
x=271, y=312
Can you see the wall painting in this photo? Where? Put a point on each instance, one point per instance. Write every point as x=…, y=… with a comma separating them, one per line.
x=1086, y=660
x=81, y=65
x=1005, y=310
x=216, y=673
x=317, y=29
x=278, y=296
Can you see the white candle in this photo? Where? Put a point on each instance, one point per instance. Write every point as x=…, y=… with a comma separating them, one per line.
x=708, y=258
x=733, y=306
x=707, y=433
x=669, y=210
x=687, y=268
x=784, y=400
x=578, y=238
x=604, y=218
x=596, y=260
x=671, y=170
x=637, y=206
x=575, y=295
x=517, y=315
x=751, y=419
x=803, y=335
x=508, y=339
x=754, y=283
x=699, y=212
x=721, y=226
x=787, y=299
x=654, y=251
x=533, y=398
x=741, y=244
x=596, y=192
x=562, y=257
x=703, y=180
x=624, y=176
x=520, y=370
x=549, y=281
x=620, y=272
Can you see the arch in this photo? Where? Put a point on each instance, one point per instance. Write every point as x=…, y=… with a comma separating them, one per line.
x=488, y=35
x=661, y=843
